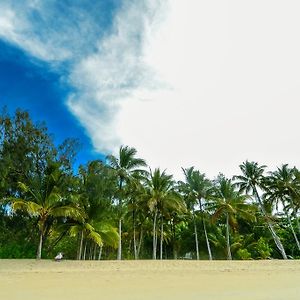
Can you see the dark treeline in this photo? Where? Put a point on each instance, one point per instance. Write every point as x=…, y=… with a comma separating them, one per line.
x=120, y=209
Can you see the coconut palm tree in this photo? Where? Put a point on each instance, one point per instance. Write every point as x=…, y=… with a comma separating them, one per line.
x=281, y=187
x=249, y=182
x=160, y=196
x=231, y=204
x=137, y=210
x=198, y=188
x=189, y=198
x=125, y=166
x=98, y=233
x=96, y=184
x=44, y=201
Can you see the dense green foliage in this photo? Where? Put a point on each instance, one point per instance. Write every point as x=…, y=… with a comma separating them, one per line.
x=119, y=209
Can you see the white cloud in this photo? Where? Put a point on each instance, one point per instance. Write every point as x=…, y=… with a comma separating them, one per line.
x=229, y=92
x=233, y=72
x=204, y=83
x=110, y=76
x=18, y=30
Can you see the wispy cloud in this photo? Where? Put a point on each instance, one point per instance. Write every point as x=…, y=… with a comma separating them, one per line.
x=205, y=83
x=52, y=31
x=111, y=75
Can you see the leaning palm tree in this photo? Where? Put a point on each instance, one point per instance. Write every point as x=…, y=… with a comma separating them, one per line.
x=281, y=187
x=198, y=188
x=231, y=204
x=249, y=182
x=99, y=234
x=44, y=201
x=125, y=165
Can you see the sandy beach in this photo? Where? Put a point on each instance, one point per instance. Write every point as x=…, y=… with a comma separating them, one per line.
x=138, y=280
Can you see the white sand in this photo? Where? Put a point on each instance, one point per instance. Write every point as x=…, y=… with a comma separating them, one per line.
x=138, y=280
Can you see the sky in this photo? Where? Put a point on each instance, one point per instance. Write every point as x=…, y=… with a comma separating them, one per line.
x=186, y=82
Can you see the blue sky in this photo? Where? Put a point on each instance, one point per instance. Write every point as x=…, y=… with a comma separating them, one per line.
x=187, y=83
x=38, y=86
x=32, y=86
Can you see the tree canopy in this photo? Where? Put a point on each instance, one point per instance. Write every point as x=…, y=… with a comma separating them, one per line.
x=120, y=208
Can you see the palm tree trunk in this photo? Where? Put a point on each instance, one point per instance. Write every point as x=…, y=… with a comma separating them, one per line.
x=84, y=252
x=292, y=228
x=134, y=237
x=196, y=236
x=161, y=237
x=297, y=221
x=39, y=250
x=91, y=251
x=205, y=230
x=119, y=256
x=95, y=252
x=229, y=257
x=175, y=253
x=270, y=226
x=295, y=214
x=140, y=243
x=100, y=253
x=207, y=240
x=80, y=247
x=154, y=235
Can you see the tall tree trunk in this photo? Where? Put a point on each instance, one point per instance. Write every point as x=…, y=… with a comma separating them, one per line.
x=39, y=250
x=156, y=238
x=119, y=257
x=295, y=213
x=207, y=240
x=95, y=252
x=161, y=237
x=270, y=226
x=100, y=252
x=80, y=247
x=134, y=237
x=154, y=235
x=297, y=220
x=291, y=226
x=205, y=230
x=229, y=257
x=140, y=243
x=173, y=228
x=196, y=236
x=91, y=251
x=84, y=252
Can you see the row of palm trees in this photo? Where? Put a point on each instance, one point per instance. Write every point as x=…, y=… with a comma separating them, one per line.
x=120, y=199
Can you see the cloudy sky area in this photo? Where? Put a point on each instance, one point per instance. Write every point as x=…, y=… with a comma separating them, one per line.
x=186, y=82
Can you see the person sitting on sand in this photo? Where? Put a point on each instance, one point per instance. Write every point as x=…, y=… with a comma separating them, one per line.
x=59, y=256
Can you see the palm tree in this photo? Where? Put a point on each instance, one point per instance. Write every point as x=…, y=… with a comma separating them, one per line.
x=249, y=182
x=96, y=185
x=198, y=187
x=137, y=210
x=189, y=198
x=282, y=186
x=125, y=165
x=44, y=200
x=98, y=233
x=160, y=196
x=231, y=204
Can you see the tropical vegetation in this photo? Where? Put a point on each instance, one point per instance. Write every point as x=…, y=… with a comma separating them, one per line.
x=118, y=208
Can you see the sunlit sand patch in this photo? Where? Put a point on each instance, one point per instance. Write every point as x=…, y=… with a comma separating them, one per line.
x=130, y=280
